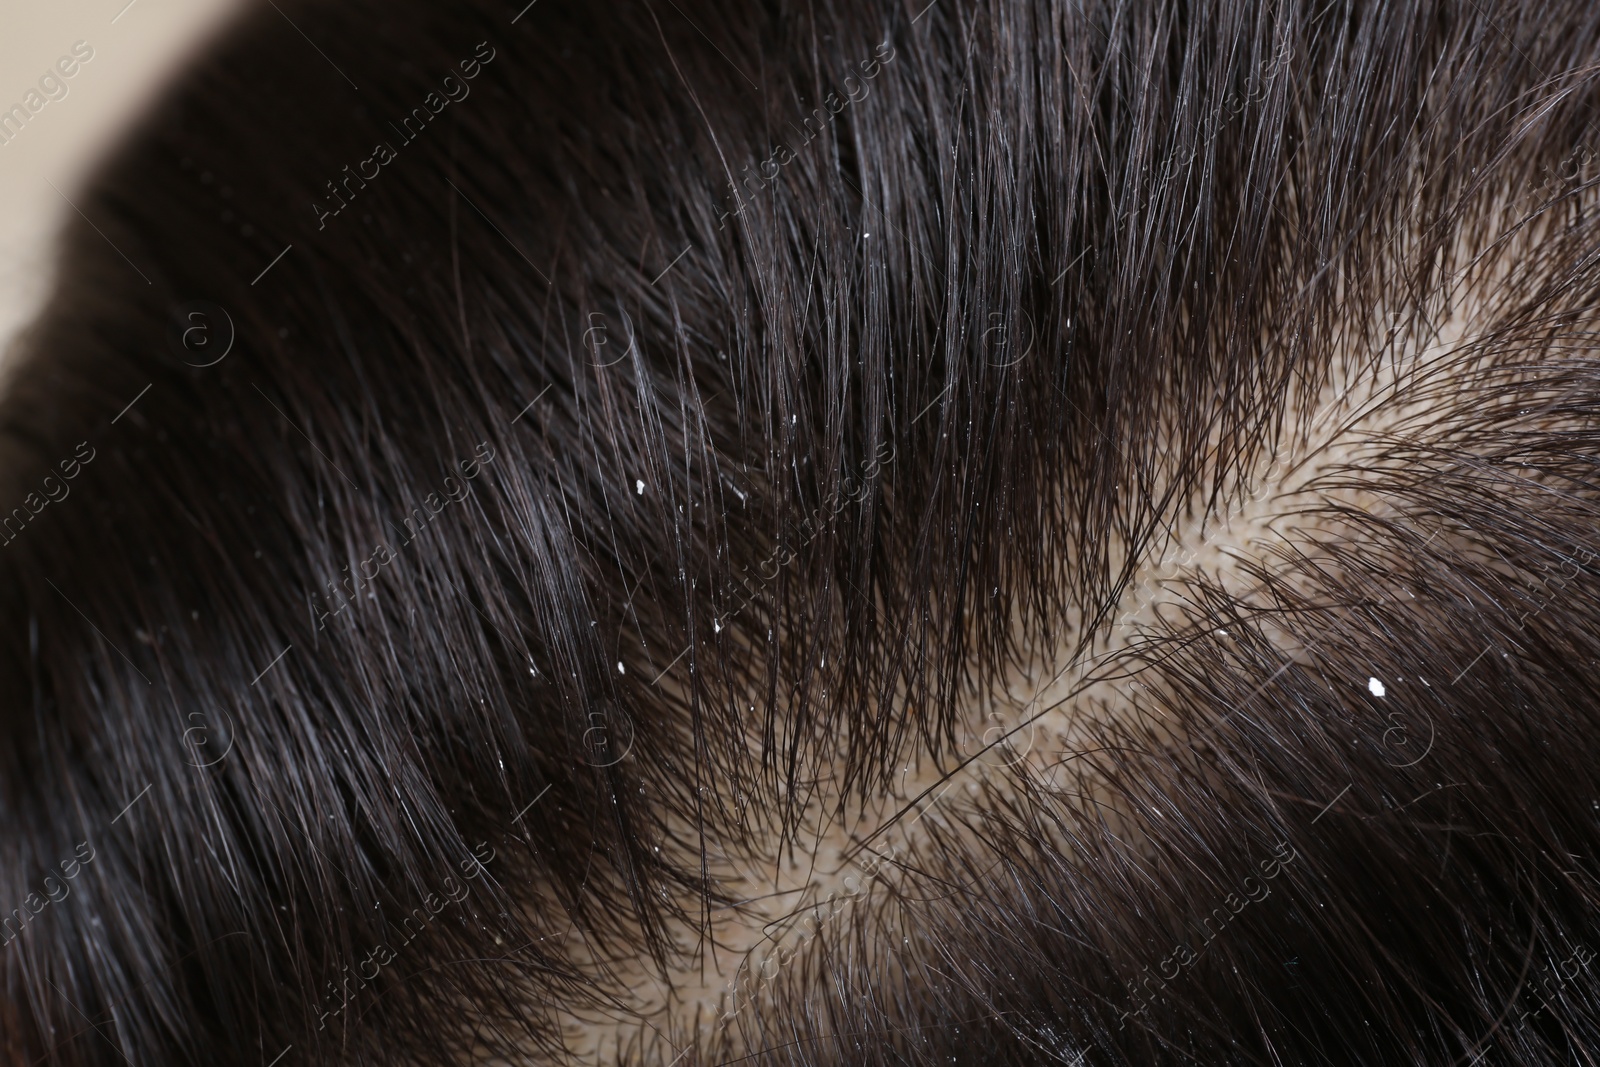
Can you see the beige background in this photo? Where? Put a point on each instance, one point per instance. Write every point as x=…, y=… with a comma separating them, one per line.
x=137, y=47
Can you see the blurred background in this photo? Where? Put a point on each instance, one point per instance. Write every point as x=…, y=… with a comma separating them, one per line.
x=137, y=47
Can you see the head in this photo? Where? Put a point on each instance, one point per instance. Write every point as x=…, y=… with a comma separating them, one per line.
x=999, y=532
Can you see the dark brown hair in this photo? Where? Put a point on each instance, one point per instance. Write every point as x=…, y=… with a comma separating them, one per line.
x=527, y=462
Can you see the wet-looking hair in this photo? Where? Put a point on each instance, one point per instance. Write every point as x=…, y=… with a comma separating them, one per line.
x=683, y=533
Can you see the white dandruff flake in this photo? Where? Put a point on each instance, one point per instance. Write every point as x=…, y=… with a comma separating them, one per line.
x=638, y=486
x=1375, y=687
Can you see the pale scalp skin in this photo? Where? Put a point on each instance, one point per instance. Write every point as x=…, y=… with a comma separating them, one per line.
x=824, y=885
